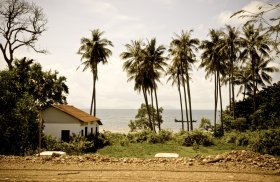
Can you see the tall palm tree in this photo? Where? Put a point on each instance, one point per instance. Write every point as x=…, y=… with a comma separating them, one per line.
x=255, y=46
x=153, y=65
x=231, y=43
x=93, y=51
x=213, y=63
x=134, y=56
x=183, y=47
x=144, y=64
x=174, y=72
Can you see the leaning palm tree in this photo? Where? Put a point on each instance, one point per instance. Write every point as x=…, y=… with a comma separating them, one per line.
x=183, y=47
x=94, y=51
x=255, y=45
x=213, y=62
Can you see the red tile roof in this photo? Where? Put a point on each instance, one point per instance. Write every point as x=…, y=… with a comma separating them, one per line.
x=77, y=113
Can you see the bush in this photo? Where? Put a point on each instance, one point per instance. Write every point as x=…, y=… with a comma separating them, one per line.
x=77, y=144
x=111, y=138
x=194, y=137
x=268, y=142
x=241, y=138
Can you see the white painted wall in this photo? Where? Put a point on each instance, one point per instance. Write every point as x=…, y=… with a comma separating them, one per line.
x=55, y=121
x=54, y=129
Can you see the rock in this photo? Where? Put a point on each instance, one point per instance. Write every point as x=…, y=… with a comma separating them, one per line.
x=167, y=155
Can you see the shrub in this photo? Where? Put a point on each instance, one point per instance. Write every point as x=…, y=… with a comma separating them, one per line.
x=268, y=142
x=194, y=137
x=241, y=138
x=77, y=144
x=150, y=136
x=111, y=138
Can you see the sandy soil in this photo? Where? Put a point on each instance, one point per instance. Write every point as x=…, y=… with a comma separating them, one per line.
x=98, y=168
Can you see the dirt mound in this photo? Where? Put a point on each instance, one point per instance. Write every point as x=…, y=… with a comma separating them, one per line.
x=240, y=159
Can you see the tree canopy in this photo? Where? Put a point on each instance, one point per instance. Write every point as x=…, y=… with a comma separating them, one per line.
x=21, y=24
x=24, y=91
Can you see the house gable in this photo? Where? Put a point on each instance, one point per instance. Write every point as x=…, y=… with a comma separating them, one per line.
x=54, y=115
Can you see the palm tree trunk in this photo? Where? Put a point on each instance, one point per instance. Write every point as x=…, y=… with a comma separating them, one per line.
x=221, y=105
x=147, y=106
x=159, y=124
x=244, y=93
x=185, y=97
x=229, y=91
x=215, y=109
x=181, y=105
x=254, y=82
x=186, y=106
x=190, y=102
x=232, y=88
x=153, y=113
x=92, y=98
x=233, y=101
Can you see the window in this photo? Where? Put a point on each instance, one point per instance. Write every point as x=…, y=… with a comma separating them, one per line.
x=82, y=132
x=65, y=135
x=91, y=130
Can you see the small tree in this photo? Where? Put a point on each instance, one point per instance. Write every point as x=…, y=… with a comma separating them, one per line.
x=141, y=121
x=205, y=124
x=21, y=24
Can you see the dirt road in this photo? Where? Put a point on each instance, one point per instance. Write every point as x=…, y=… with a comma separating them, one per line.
x=96, y=168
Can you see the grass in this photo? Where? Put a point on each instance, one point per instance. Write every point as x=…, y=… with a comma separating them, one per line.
x=145, y=150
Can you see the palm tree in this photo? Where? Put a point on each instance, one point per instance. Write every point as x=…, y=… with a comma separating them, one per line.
x=213, y=63
x=231, y=46
x=244, y=78
x=262, y=72
x=174, y=72
x=134, y=56
x=94, y=51
x=182, y=47
x=153, y=65
x=144, y=64
x=255, y=46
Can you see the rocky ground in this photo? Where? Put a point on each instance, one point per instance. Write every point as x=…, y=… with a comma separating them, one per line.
x=231, y=166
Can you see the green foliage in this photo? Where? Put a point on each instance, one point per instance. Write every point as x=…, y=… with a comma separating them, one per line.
x=77, y=144
x=266, y=116
x=23, y=92
x=263, y=141
x=141, y=121
x=268, y=142
x=195, y=137
x=205, y=124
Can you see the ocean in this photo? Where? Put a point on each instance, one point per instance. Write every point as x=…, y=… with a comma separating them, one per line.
x=116, y=120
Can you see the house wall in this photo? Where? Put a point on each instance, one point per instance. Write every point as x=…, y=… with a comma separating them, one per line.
x=55, y=121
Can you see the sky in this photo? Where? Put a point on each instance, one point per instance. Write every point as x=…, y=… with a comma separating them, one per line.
x=123, y=21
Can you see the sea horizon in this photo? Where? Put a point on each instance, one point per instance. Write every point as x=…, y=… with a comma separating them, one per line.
x=117, y=120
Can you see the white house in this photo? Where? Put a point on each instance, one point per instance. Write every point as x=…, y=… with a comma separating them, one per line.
x=63, y=120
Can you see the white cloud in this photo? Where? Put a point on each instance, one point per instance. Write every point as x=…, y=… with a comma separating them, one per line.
x=224, y=17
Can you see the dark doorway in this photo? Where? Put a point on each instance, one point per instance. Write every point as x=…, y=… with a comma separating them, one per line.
x=65, y=135
x=85, y=131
